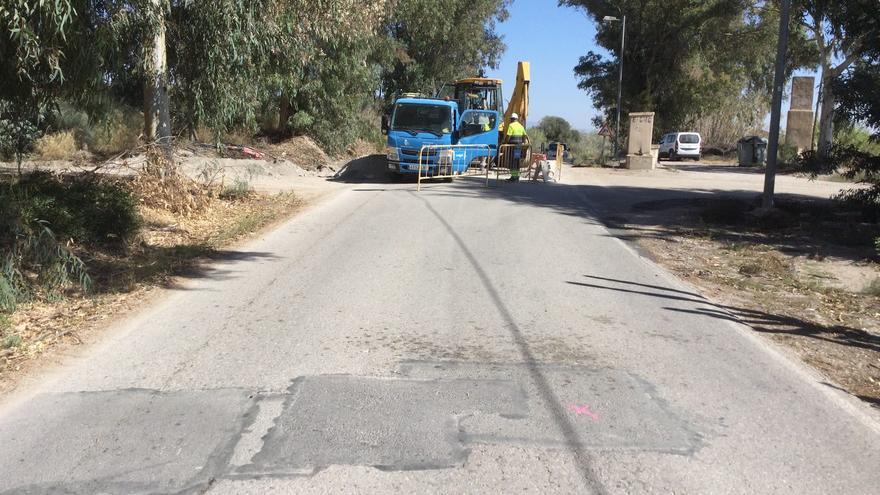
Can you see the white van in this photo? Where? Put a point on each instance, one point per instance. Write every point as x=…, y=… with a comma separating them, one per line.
x=678, y=145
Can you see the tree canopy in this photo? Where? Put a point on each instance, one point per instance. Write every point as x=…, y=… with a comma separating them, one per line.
x=431, y=42
x=685, y=60
x=558, y=129
x=316, y=65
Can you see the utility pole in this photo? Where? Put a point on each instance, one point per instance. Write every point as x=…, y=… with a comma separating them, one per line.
x=816, y=117
x=619, y=88
x=622, y=20
x=776, y=107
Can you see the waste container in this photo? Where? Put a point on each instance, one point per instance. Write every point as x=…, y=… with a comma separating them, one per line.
x=752, y=151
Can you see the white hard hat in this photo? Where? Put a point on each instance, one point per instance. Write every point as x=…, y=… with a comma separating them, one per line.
x=514, y=116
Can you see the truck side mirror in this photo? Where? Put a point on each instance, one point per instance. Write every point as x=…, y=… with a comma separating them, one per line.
x=385, y=124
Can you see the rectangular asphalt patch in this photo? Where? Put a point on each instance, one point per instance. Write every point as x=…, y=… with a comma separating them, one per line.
x=599, y=409
x=121, y=441
x=386, y=423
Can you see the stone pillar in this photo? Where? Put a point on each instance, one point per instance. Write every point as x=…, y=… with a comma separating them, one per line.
x=638, y=151
x=799, y=131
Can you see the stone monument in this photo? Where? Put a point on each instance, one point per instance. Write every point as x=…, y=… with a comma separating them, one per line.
x=641, y=131
x=799, y=131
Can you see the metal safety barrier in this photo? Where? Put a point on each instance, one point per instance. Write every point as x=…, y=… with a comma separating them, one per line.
x=513, y=157
x=448, y=161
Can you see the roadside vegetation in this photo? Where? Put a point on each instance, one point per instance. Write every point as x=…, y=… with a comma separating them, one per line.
x=584, y=148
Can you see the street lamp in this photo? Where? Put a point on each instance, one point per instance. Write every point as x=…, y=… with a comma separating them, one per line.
x=622, y=20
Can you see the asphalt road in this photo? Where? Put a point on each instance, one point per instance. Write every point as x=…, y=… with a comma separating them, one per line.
x=457, y=340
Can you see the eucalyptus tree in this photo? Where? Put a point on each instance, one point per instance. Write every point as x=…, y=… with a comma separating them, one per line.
x=32, y=38
x=843, y=33
x=322, y=66
x=432, y=42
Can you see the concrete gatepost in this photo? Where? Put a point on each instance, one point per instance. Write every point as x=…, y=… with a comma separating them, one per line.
x=639, y=154
x=799, y=130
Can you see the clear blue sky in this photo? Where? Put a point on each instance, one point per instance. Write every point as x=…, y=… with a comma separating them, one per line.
x=552, y=38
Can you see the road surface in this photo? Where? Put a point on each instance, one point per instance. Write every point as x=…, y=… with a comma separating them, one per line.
x=457, y=340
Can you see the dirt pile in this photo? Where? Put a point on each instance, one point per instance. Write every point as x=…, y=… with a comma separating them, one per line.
x=301, y=151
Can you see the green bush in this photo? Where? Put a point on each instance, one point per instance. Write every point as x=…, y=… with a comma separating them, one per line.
x=35, y=262
x=855, y=136
x=89, y=211
x=41, y=217
x=852, y=163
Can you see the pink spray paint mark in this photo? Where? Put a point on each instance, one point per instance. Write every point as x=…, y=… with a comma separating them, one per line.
x=583, y=411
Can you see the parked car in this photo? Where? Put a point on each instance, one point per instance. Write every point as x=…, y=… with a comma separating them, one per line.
x=551, y=151
x=678, y=145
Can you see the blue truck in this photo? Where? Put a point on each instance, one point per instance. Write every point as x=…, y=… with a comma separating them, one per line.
x=417, y=122
x=469, y=111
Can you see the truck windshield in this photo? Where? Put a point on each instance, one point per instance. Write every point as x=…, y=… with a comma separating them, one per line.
x=411, y=117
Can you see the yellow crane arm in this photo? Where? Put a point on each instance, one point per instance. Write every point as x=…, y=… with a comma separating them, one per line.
x=519, y=100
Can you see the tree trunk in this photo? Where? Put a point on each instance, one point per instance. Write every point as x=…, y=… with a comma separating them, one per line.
x=283, y=113
x=157, y=116
x=826, y=120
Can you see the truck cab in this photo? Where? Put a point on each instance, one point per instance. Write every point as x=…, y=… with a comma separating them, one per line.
x=417, y=122
x=474, y=93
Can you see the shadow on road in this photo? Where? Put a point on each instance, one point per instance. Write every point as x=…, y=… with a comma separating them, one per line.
x=712, y=168
x=757, y=320
x=801, y=225
x=169, y=267
x=371, y=169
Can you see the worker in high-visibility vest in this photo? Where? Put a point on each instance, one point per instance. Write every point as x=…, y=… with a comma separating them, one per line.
x=515, y=134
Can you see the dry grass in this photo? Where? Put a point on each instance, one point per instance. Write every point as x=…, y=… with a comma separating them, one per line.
x=302, y=151
x=239, y=136
x=120, y=133
x=162, y=185
x=57, y=146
